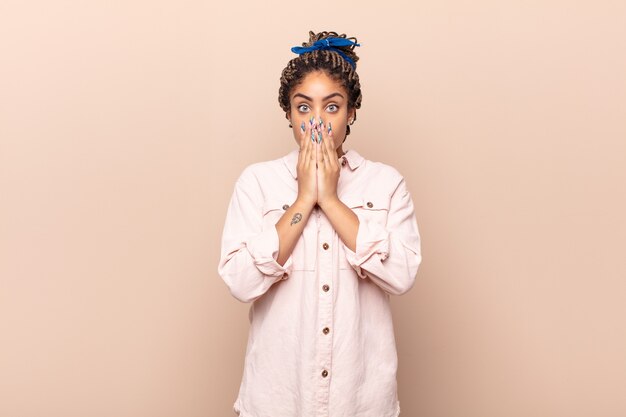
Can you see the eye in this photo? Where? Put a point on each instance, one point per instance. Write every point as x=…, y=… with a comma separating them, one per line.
x=302, y=105
x=335, y=106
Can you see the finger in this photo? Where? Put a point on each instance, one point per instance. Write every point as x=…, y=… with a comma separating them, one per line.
x=303, y=145
x=331, y=145
x=311, y=125
x=313, y=135
x=328, y=148
x=320, y=140
x=322, y=144
x=301, y=137
x=318, y=152
x=326, y=155
x=302, y=134
x=313, y=145
x=303, y=156
x=307, y=146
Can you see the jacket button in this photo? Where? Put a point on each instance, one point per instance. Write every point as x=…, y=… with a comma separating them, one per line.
x=325, y=245
x=325, y=287
x=343, y=161
x=286, y=206
x=324, y=373
x=326, y=330
x=369, y=204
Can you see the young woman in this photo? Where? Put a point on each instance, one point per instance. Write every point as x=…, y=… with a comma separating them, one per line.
x=317, y=241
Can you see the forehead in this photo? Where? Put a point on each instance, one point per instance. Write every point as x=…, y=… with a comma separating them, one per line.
x=317, y=83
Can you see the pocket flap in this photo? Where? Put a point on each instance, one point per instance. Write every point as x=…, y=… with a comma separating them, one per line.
x=372, y=202
x=274, y=204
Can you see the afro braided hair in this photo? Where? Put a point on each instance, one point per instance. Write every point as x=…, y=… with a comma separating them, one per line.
x=328, y=61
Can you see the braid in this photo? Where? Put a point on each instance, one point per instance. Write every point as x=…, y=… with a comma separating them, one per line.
x=328, y=61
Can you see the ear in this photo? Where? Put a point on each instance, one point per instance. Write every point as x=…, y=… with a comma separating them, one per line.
x=351, y=113
x=288, y=116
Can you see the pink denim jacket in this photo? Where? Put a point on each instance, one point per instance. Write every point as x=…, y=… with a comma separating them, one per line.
x=321, y=339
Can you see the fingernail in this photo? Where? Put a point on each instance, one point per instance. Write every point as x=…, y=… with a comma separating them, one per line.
x=313, y=136
x=302, y=126
x=311, y=120
x=320, y=136
x=321, y=123
x=329, y=128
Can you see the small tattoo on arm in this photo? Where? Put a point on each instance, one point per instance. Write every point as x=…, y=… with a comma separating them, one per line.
x=296, y=218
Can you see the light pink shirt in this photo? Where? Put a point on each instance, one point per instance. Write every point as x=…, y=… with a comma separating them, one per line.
x=321, y=339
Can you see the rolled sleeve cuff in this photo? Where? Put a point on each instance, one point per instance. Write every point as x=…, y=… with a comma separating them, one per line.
x=263, y=248
x=372, y=244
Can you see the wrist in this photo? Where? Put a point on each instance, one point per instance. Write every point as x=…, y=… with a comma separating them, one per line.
x=328, y=202
x=305, y=202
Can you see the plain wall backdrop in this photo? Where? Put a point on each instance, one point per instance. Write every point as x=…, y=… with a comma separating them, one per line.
x=123, y=126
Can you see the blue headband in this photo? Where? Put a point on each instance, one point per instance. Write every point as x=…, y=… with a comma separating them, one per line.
x=329, y=44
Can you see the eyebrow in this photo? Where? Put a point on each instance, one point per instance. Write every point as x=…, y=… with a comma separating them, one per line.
x=324, y=99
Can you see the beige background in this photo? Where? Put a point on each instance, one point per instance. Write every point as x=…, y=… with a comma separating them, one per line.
x=124, y=125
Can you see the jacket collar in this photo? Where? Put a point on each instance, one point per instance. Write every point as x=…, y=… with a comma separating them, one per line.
x=353, y=159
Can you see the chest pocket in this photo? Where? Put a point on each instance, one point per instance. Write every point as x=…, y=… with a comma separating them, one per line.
x=373, y=208
x=273, y=210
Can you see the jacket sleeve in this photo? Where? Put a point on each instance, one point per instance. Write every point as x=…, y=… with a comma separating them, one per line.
x=248, y=251
x=389, y=255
